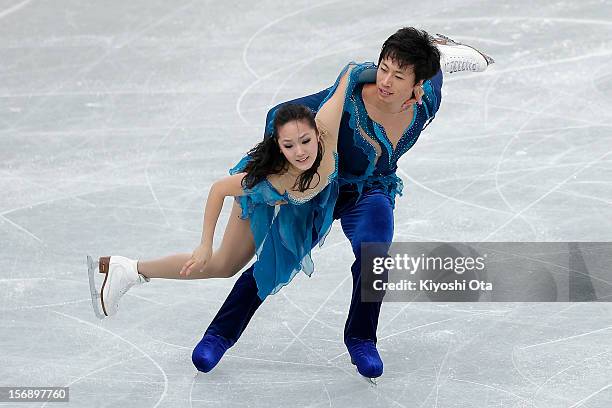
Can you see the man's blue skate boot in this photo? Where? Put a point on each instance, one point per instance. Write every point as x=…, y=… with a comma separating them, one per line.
x=209, y=351
x=365, y=356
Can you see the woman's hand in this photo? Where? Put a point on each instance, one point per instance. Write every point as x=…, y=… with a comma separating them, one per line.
x=200, y=257
x=417, y=96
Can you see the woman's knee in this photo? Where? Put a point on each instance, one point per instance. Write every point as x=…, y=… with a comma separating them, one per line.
x=220, y=270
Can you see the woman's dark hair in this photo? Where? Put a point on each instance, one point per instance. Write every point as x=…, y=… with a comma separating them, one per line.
x=409, y=46
x=266, y=157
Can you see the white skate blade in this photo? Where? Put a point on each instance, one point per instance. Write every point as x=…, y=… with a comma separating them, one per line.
x=490, y=61
x=95, y=294
x=372, y=381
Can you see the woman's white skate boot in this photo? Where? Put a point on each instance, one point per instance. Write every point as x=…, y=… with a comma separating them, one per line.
x=120, y=274
x=456, y=57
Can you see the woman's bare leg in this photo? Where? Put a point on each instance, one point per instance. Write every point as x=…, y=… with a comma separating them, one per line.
x=237, y=248
x=166, y=268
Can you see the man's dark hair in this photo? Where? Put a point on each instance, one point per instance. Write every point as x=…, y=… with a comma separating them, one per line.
x=409, y=46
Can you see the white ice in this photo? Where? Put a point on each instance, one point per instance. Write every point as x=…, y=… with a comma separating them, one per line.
x=116, y=117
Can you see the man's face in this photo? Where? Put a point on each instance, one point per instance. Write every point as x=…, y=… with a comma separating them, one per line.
x=298, y=142
x=395, y=85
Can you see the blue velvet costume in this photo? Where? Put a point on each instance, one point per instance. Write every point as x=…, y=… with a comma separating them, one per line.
x=368, y=186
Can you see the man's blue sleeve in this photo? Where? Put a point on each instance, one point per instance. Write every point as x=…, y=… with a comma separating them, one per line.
x=312, y=101
x=436, y=87
x=368, y=75
x=432, y=97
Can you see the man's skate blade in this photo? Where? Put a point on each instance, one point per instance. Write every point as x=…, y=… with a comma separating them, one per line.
x=447, y=39
x=490, y=61
x=95, y=295
x=372, y=381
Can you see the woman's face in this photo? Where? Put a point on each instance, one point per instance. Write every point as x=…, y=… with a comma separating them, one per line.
x=298, y=142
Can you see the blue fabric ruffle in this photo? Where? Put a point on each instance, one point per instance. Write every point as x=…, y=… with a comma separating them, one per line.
x=285, y=233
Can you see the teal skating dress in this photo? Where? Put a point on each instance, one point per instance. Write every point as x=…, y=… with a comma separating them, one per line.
x=286, y=223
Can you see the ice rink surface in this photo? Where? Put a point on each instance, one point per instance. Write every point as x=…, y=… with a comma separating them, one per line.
x=116, y=117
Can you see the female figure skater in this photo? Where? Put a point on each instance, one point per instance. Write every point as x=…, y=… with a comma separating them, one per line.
x=285, y=189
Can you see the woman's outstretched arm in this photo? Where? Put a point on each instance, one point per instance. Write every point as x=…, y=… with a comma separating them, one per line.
x=225, y=187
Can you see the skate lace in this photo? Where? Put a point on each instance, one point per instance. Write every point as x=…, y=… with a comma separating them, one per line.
x=455, y=65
